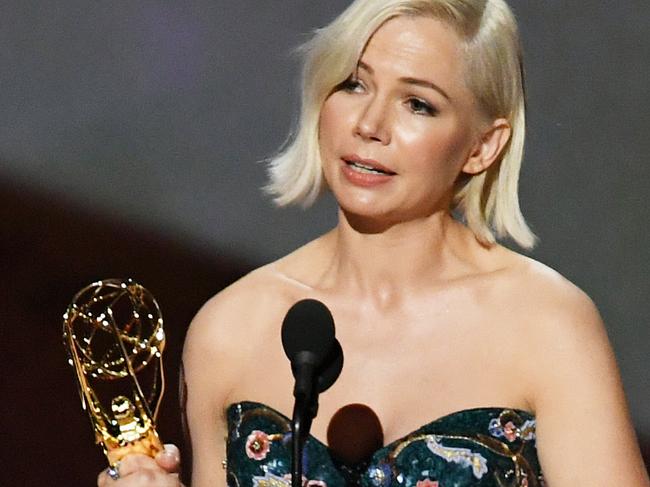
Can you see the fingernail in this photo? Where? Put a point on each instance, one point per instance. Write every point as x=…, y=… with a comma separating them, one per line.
x=172, y=451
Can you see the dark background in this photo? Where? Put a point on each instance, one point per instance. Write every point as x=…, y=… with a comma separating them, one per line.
x=131, y=135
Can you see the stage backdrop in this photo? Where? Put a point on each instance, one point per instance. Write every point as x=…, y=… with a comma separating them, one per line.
x=131, y=141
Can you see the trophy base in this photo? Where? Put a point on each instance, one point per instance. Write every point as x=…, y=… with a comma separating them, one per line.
x=148, y=445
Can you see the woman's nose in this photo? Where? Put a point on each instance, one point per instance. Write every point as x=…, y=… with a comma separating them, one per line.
x=372, y=123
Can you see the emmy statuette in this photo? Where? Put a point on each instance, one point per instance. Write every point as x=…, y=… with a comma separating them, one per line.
x=113, y=331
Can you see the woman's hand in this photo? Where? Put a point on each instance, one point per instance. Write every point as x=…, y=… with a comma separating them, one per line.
x=140, y=470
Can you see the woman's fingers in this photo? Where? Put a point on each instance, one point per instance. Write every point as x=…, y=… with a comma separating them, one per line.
x=141, y=471
x=134, y=462
x=169, y=459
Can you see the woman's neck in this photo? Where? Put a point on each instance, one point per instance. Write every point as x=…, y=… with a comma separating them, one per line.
x=396, y=259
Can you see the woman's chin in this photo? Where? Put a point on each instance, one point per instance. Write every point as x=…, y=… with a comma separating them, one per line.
x=368, y=217
x=373, y=216
x=367, y=225
x=363, y=208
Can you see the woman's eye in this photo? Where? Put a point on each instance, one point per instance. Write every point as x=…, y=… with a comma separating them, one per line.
x=421, y=107
x=351, y=85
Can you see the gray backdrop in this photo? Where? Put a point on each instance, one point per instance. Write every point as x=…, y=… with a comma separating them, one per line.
x=159, y=113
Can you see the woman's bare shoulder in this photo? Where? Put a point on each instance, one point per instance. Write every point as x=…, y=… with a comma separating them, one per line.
x=547, y=297
x=236, y=309
x=539, y=307
x=248, y=305
x=232, y=327
x=563, y=312
x=561, y=324
x=571, y=370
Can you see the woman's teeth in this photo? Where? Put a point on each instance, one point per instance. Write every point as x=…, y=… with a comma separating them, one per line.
x=364, y=169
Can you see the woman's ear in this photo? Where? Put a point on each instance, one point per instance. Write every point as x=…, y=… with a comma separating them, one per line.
x=488, y=147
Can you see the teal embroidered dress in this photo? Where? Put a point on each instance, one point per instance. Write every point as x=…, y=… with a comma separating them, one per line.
x=483, y=447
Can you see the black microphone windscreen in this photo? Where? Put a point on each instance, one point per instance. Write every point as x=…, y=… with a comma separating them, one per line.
x=330, y=368
x=308, y=327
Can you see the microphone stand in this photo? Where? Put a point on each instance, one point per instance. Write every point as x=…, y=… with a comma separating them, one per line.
x=304, y=411
x=316, y=361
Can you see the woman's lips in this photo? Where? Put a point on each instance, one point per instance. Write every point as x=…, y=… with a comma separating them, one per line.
x=369, y=164
x=365, y=172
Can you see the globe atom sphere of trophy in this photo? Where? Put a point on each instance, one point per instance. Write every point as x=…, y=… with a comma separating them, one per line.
x=113, y=330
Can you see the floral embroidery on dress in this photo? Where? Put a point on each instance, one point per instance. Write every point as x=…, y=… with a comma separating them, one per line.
x=486, y=446
x=381, y=475
x=257, y=445
x=510, y=426
x=462, y=456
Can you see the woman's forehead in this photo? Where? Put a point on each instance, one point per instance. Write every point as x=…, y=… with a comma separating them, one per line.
x=415, y=47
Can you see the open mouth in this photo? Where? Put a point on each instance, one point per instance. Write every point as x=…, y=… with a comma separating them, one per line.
x=367, y=169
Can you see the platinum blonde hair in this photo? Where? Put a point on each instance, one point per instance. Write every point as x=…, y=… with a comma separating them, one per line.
x=488, y=201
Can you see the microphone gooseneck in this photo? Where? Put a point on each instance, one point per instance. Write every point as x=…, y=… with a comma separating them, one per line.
x=316, y=360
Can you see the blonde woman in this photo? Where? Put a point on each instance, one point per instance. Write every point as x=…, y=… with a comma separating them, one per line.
x=483, y=367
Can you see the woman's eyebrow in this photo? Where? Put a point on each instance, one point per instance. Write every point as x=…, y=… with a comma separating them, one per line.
x=409, y=80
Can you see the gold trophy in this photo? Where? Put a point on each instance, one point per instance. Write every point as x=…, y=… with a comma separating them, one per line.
x=113, y=331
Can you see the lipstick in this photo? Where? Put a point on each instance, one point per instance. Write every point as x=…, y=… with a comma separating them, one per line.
x=365, y=172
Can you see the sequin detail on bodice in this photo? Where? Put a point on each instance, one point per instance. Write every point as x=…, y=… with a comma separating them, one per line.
x=480, y=447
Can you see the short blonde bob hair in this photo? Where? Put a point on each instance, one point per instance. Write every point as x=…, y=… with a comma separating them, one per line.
x=488, y=202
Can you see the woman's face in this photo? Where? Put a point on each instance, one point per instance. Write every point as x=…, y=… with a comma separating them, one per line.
x=395, y=136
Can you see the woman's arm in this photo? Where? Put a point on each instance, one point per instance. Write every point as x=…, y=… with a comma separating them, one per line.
x=219, y=348
x=584, y=432
x=210, y=364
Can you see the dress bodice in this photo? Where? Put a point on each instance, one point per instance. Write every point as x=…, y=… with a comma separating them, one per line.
x=480, y=447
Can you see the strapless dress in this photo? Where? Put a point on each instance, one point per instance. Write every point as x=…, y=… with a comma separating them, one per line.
x=482, y=447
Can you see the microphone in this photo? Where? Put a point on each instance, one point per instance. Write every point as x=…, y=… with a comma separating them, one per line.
x=316, y=358
x=308, y=339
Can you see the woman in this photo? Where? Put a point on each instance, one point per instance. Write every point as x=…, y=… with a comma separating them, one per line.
x=413, y=117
